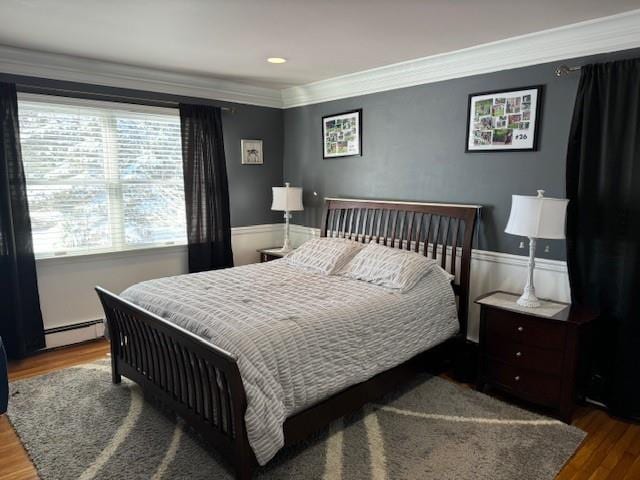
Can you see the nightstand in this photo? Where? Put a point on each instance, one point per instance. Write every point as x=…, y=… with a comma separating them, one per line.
x=532, y=353
x=268, y=254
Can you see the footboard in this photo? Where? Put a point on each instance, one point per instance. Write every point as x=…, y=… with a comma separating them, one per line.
x=197, y=380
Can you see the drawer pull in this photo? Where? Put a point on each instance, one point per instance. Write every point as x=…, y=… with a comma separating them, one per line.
x=518, y=354
x=520, y=329
x=517, y=378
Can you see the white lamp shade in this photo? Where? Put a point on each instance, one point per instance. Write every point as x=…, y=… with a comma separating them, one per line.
x=287, y=199
x=537, y=217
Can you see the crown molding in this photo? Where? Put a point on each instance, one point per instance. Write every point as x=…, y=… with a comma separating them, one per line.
x=601, y=35
x=18, y=61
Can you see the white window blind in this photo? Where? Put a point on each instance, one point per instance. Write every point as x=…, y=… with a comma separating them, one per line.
x=101, y=176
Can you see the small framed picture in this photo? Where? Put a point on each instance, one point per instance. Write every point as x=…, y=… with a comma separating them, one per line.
x=342, y=134
x=251, y=152
x=504, y=121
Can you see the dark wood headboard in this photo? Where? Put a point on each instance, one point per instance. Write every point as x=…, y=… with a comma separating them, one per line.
x=441, y=231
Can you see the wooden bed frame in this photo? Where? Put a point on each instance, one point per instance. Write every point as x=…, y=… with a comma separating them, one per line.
x=201, y=382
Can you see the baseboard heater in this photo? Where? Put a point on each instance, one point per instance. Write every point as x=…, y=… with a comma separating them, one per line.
x=74, y=333
x=73, y=326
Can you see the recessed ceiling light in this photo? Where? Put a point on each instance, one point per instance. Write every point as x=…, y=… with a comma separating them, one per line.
x=276, y=60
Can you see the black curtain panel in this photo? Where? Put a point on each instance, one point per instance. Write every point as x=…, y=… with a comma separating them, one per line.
x=21, y=326
x=603, y=226
x=206, y=188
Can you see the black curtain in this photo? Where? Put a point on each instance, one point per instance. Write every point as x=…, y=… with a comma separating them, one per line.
x=20, y=319
x=603, y=226
x=206, y=188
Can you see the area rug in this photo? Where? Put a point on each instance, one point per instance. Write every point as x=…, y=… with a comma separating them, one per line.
x=75, y=424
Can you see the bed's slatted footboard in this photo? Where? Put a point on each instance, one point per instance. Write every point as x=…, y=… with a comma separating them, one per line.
x=198, y=381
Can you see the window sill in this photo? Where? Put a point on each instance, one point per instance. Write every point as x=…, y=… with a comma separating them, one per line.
x=112, y=255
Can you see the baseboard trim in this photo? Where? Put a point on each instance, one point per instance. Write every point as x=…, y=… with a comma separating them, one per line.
x=74, y=333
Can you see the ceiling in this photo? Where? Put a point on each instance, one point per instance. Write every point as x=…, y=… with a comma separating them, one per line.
x=231, y=39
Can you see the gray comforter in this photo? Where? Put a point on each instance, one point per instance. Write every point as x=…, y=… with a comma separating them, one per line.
x=300, y=337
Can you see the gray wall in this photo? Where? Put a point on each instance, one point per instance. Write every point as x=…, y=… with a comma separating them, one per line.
x=249, y=185
x=413, y=149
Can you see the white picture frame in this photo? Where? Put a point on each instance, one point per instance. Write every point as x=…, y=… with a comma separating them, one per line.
x=251, y=152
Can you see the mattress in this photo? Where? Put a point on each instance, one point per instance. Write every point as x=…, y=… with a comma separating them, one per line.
x=300, y=337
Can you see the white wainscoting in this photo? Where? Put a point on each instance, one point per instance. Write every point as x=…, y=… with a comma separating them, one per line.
x=493, y=271
x=66, y=284
x=67, y=297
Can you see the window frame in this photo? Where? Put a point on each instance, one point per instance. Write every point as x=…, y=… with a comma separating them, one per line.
x=114, y=188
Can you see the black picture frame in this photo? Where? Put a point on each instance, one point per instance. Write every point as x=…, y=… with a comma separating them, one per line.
x=357, y=111
x=536, y=127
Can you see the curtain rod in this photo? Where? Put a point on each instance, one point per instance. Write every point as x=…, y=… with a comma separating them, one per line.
x=64, y=92
x=565, y=70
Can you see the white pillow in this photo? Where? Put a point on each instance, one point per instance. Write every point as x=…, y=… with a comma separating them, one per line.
x=324, y=255
x=389, y=267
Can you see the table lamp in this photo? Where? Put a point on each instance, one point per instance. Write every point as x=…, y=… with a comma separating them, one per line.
x=287, y=199
x=536, y=217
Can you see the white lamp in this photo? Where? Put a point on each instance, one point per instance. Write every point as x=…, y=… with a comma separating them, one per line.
x=536, y=217
x=287, y=199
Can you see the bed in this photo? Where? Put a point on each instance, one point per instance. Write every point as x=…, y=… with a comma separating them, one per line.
x=251, y=395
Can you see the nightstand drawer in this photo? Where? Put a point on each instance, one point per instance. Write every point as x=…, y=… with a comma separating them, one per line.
x=515, y=327
x=534, y=386
x=265, y=257
x=524, y=356
x=268, y=254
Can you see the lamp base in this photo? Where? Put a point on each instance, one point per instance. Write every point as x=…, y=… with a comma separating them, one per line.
x=529, y=300
x=286, y=248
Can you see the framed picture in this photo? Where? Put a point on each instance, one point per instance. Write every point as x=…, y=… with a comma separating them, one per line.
x=504, y=121
x=342, y=134
x=251, y=152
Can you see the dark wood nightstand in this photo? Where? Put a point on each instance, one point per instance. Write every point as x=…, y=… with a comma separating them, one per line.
x=532, y=353
x=268, y=254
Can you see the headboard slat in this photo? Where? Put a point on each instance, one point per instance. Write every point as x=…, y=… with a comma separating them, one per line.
x=445, y=243
x=436, y=234
x=418, y=231
x=364, y=225
x=397, y=224
x=379, y=215
x=428, y=235
x=410, y=229
x=454, y=246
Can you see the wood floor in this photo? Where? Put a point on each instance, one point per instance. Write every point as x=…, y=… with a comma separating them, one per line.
x=611, y=450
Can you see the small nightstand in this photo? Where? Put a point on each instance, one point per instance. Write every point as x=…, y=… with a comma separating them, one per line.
x=532, y=353
x=268, y=254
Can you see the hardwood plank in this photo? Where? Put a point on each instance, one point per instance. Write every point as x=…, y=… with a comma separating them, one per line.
x=622, y=467
x=599, y=429
x=616, y=453
x=634, y=447
x=568, y=472
x=58, y=359
x=15, y=463
x=599, y=454
x=634, y=471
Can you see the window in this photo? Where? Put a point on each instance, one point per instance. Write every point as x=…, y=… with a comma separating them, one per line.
x=101, y=176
